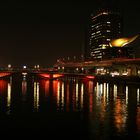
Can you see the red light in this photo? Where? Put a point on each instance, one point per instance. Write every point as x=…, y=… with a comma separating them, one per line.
x=4, y=74
x=45, y=75
x=3, y=86
x=90, y=77
x=57, y=75
x=49, y=76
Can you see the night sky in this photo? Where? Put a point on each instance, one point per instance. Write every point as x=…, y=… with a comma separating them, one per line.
x=41, y=32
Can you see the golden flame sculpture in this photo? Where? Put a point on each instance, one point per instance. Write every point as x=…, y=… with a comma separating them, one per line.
x=122, y=41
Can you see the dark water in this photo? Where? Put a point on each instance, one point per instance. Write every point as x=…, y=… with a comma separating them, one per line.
x=69, y=108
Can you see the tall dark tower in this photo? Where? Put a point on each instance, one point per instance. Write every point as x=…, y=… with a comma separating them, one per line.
x=104, y=26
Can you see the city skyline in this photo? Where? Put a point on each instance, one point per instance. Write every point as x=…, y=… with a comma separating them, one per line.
x=40, y=33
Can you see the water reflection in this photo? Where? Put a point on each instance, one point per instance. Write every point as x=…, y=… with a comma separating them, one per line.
x=108, y=109
x=126, y=92
x=60, y=95
x=9, y=96
x=138, y=96
x=138, y=110
x=24, y=88
x=111, y=104
x=66, y=98
x=120, y=115
x=36, y=96
x=5, y=95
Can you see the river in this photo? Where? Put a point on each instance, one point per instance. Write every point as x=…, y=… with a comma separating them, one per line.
x=69, y=108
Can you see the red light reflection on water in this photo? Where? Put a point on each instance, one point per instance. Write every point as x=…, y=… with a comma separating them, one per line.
x=47, y=85
x=3, y=86
x=64, y=96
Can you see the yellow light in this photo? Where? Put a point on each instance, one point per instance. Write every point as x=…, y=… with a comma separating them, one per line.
x=77, y=94
x=82, y=93
x=9, y=95
x=104, y=46
x=62, y=96
x=58, y=94
x=122, y=41
x=36, y=96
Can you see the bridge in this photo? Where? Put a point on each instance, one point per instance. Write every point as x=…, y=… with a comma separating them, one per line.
x=44, y=73
x=113, y=67
x=120, y=66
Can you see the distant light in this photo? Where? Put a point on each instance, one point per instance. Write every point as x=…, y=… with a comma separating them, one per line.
x=125, y=73
x=105, y=13
x=77, y=69
x=24, y=73
x=9, y=66
x=24, y=67
x=114, y=73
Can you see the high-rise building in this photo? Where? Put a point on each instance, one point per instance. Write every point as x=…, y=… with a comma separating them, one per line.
x=103, y=27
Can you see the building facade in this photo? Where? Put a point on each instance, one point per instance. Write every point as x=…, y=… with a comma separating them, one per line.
x=103, y=27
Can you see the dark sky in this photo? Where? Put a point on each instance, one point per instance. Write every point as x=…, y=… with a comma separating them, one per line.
x=41, y=32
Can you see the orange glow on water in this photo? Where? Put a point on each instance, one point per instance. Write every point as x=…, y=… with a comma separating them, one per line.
x=119, y=115
x=47, y=85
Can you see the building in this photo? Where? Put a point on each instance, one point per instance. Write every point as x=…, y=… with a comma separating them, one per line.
x=103, y=27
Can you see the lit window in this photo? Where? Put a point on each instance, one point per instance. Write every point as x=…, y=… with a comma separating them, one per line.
x=98, y=32
x=103, y=46
x=96, y=51
x=93, y=34
x=108, y=22
x=108, y=30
